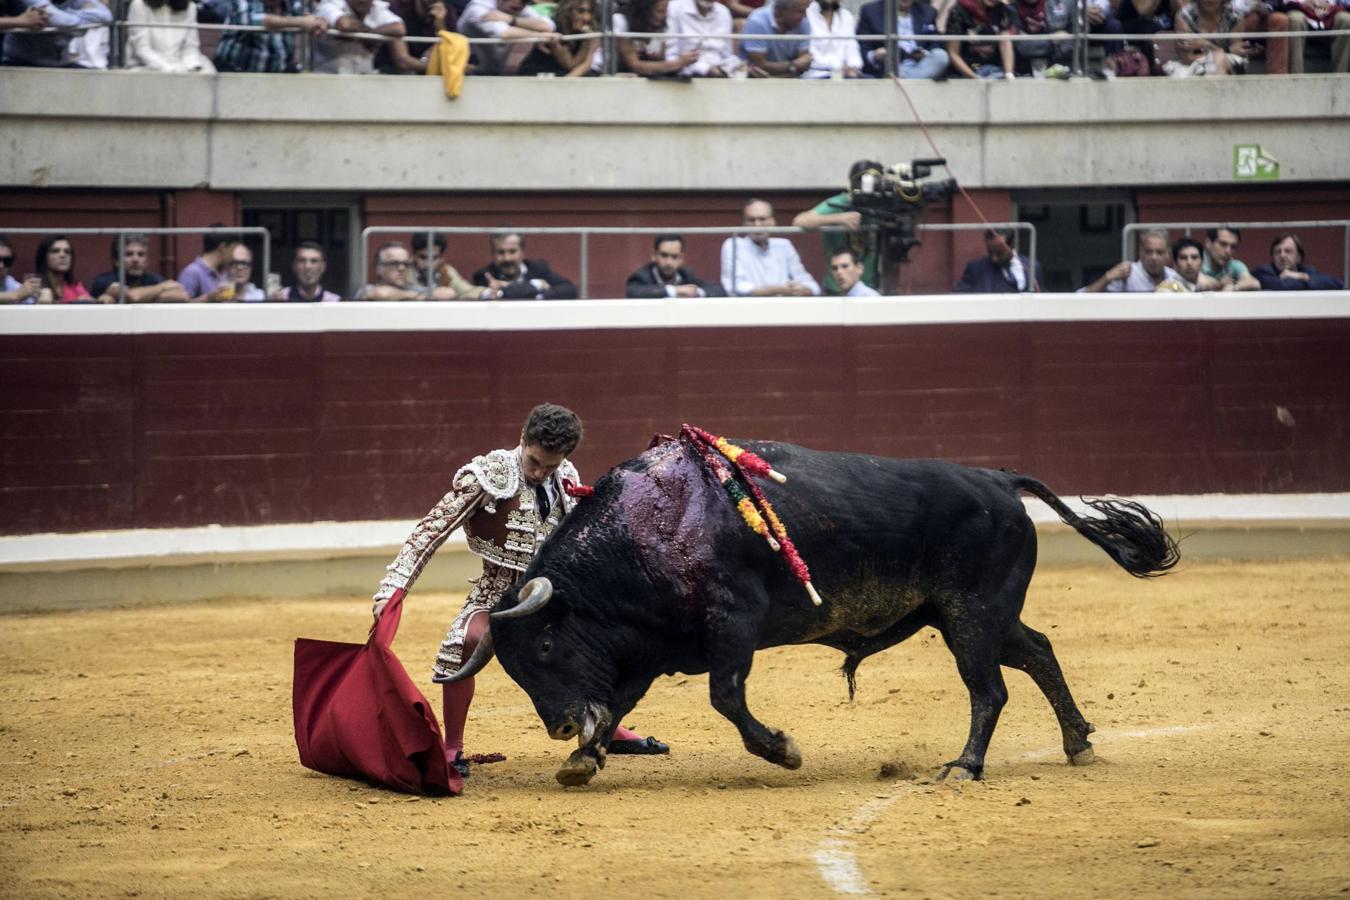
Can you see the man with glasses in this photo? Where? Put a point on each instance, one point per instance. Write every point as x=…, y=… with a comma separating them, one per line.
x=392, y=262
x=239, y=274
x=13, y=290
x=1220, y=245
x=140, y=285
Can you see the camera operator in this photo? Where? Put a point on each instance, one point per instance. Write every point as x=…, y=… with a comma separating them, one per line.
x=839, y=210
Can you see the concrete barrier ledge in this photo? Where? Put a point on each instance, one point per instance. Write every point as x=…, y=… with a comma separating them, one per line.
x=45, y=572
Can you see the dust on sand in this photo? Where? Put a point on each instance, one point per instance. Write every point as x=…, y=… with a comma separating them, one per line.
x=148, y=752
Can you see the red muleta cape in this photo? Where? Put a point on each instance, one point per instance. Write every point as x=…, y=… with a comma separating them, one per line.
x=359, y=715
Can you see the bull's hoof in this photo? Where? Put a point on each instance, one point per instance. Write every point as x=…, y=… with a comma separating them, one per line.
x=792, y=756
x=953, y=773
x=1083, y=757
x=579, y=769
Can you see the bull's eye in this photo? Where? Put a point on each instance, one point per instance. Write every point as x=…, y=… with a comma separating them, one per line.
x=544, y=648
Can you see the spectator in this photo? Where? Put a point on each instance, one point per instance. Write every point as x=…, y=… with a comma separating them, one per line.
x=56, y=269
x=1052, y=56
x=506, y=20
x=912, y=17
x=447, y=283
x=689, y=23
x=239, y=274
x=51, y=48
x=846, y=272
x=740, y=11
x=272, y=50
x=1145, y=273
x=1000, y=271
x=1219, y=264
x=1318, y=15
x=666, y=275
x=308, y=266
x=421, y=18
x=33, y=18
x=838, y=210
x=1205, y=56
x=981, y=59
x=645, y=56
x=834, y=48
x=336, y=54
x=568, y=59
x=153, y=45
x=510, y=276
x=1287, y=271
x=1260, y=16
x=1188, y=258
x=141, y=285
x=392, y=262
x=11, y=289
x=202, y=278
x=1138, y=17
x=777, y=59
x=757, y=265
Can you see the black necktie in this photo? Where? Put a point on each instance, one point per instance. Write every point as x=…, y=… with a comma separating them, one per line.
x=541, y=500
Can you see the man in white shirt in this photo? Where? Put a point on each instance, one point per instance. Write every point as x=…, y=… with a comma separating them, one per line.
x=847, y=270
x=1142, y=275
x=505, y=19
x=834, y=52
x=341, y=55
x=688, y=22
x=756, y=265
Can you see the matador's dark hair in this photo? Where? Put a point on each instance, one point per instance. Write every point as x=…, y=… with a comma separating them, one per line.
x=555, y=428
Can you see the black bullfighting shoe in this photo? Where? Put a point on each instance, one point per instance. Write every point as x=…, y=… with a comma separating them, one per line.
x=646, y=747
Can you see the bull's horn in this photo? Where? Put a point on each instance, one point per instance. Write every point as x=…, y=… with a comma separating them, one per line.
x=533, y=597
x=482, y=655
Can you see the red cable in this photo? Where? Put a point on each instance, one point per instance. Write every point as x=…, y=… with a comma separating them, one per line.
x=918, y=120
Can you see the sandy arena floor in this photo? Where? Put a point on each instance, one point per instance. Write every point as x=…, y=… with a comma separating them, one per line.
x=148, y=752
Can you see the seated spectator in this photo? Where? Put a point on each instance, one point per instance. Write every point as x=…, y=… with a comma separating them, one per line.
x=756, y=265
x=689, y=24
x=1288, y=272
x=1140, y=17
x=566, y=59
x=1188, y=258
x=423, y=19
x=740, y=11
x=12, y=290
x=1050, y=18
x=56, y=269
x=336, y=54
x=1001, y=270
x=507, y=20
x=447, y=283
x=392, y=262
x=1318, y=15
x=1261, y=16
x=308, y=266
x=152, y=45
x=203, y=278
x=666, y=275
x=1205, y=56
x=912, y=17
x=645, y=56
x=777, y=59
x=1144, y=274
x=51, y=48
x=239, y=286
x=272, y=50
x=510, y=276
x=847, y=270
x=1231, y=274
x=981, y=59
x=140, y=284
x=834, y=48
x=34, y=18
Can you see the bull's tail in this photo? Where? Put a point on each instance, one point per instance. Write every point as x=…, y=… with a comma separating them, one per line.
x=1129, y=532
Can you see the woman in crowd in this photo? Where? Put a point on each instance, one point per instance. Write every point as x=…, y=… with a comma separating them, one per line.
x=644, y=56
x=56, y=268
x=160, y=48
x=1205, y=56
x=569, y=59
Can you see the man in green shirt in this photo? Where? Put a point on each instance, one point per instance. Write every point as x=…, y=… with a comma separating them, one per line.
x=838, y=210
x=1220, y=246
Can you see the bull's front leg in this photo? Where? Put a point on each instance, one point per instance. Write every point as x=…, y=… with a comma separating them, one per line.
x=726, y=684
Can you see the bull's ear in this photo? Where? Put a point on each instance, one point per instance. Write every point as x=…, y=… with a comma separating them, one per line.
x=534, y=596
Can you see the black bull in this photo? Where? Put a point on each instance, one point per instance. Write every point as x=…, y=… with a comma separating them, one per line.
x=657, y=574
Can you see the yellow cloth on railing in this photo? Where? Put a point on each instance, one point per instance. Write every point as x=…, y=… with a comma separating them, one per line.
x=448, y=59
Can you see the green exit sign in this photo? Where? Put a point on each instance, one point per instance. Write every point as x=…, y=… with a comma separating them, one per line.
x=1250, y=163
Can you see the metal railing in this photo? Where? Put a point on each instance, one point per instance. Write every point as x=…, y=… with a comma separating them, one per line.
x=584, y=234
x=123, y=233
x=1127, y=235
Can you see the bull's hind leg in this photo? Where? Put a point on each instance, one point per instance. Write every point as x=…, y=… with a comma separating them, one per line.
x=976, y=660
x=1027, y=649
x=726, y=685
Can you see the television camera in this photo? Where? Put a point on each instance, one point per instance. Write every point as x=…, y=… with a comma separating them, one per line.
x=893, y=199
